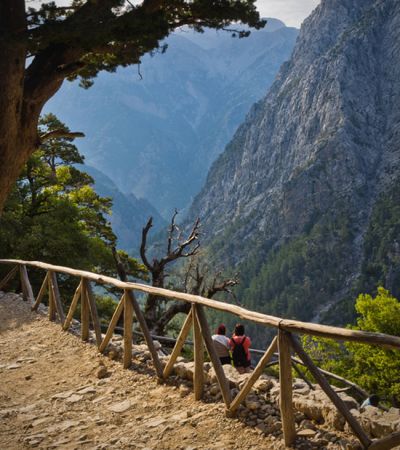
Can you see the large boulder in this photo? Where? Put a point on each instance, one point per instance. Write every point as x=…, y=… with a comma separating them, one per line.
x=378, y=423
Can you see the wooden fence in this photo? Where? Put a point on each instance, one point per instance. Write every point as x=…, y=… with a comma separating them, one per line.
x=285, y=342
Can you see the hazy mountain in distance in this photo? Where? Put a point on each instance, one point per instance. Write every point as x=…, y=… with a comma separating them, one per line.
x=129, y=214
x=156, y=137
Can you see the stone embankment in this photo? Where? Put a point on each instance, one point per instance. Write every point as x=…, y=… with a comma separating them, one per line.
x=59, y=392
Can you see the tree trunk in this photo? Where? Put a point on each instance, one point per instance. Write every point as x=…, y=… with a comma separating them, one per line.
x=23, y=91
x=12, y=68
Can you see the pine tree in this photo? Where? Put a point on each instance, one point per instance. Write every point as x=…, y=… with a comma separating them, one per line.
x=40, y=48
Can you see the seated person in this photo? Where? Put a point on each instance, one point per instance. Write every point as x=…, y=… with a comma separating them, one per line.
x=221, y=344
x=240, y=345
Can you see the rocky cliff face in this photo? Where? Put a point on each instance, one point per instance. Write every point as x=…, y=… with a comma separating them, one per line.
x=304, y=181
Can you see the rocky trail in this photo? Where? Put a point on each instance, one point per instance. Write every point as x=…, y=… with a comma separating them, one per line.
x=51, y=396
x=57, y=392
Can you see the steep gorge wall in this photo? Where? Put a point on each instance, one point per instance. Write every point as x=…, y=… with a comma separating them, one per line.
x=290, y=201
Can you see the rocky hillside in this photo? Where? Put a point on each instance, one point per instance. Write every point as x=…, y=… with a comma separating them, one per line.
x=304, y=199
x=156, y=137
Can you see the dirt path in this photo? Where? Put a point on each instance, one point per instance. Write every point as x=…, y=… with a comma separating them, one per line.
x=51, y=397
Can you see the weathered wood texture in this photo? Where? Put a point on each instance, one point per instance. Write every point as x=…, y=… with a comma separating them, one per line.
x=26, y=285
x=56, y=296
x=84, y=314
x=42, y=291
x=52, y=305
x=146, y=333
x=178, y=345
x=112, y=324
x=198, y=357
x=219, y=371
x=264, y=319
x=253, y=377
x=386, y=443
x=326, y=387
x=93, y=310
x=8, y=277
x=286, y=390
x=128, y=323
x=72, y=308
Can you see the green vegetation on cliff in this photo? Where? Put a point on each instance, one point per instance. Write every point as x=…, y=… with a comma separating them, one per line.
x=374, y=368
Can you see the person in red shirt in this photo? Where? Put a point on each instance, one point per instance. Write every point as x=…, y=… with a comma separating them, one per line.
x=240, y=346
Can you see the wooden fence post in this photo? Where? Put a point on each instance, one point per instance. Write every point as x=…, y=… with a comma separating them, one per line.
x=326, y=387
x=72, y=307
x=26, y=285
x=56, y=297
x=198, y=379
x=219, y=371
x=52, y=306
x=146, y=333
x=128, y=322
x=84, y=314
x=386, y=443
x=178, y=345
x=285, y=381
x=42, y=291
x=112, y=324
x=8, y=277
x=93, y=310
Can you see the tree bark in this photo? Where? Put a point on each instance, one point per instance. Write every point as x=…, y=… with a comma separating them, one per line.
x=12, y=67
x=23, y=91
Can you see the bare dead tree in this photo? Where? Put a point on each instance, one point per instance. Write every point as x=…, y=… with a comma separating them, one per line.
x=196, y=282
x=177, y=247
x=196, y=279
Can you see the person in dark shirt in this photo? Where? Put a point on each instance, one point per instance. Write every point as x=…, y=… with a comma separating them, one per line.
x=240, y=346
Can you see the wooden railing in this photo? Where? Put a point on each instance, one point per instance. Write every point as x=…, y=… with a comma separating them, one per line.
x=285, y=342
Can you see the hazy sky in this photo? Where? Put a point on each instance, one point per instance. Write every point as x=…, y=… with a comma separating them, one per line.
x=292, y=12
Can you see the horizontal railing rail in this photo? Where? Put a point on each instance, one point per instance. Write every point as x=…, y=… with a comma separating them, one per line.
x=285, y=342
x=295, y=326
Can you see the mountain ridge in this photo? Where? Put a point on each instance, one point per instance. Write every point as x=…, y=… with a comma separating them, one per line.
x=290, y=201
x=168, y=127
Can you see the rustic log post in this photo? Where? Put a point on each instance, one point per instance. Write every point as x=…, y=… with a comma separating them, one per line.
x=52, y=306
x=56, y=297
x=285, y=381
x=27, y=288
x=128, y=323
x=42, y=291
x=198, y=378
x=386, y=443
x=8, y=277
x=23, y=285
x=219, y=371
x=72, y=307
x=253, y=377
x=326, y=387
x=112, y=324
x=93, y=310
x=178, y=345
x=84, y=314
x=147, y=336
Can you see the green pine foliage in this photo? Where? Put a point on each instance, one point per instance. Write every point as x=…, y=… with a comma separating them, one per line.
x=374, y=368
x=54, y=215
x=381, y=265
